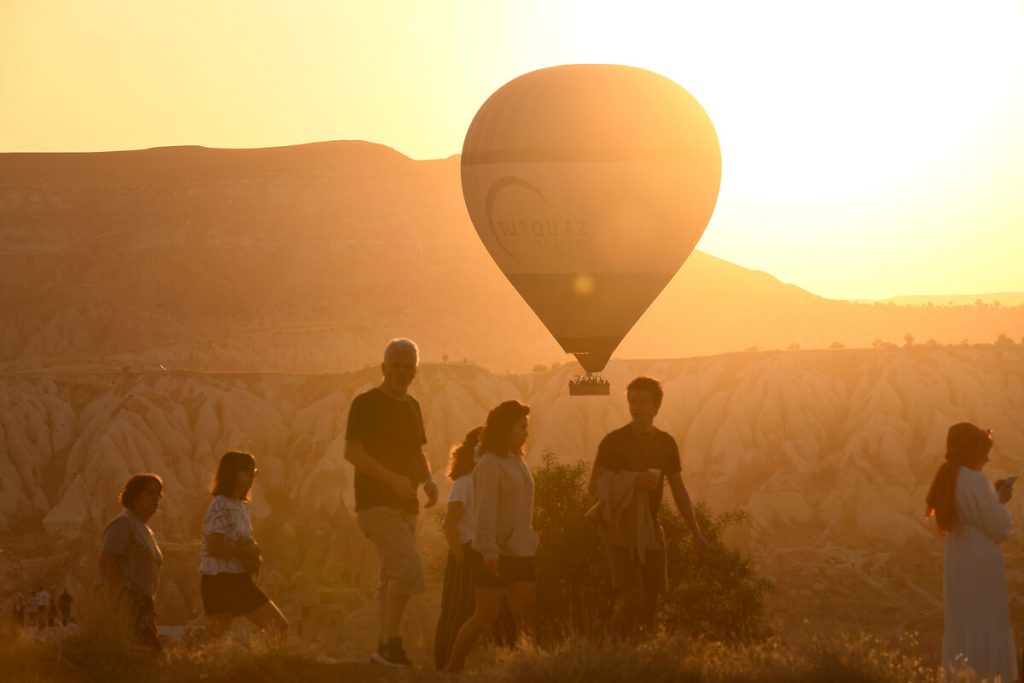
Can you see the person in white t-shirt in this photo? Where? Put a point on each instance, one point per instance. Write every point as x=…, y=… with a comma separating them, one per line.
x=457, y=595
x=230, y=556
x=44, y=605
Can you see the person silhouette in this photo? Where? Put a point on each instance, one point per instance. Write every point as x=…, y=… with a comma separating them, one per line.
x=229, y=556
x=131, y=560
x=503, y=538
x=971, y=514
x=384, y=441
x=630, y=469
x=64, y=607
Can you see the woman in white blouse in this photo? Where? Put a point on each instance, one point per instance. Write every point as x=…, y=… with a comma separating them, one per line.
x=972, y=515
x=230, y=556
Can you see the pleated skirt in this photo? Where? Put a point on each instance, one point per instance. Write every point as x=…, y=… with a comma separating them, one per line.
x=457, y=604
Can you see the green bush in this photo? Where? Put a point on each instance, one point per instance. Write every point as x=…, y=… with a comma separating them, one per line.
x=718, y=596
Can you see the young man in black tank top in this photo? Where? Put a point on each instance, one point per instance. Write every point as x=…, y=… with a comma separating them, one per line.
x=630, y=469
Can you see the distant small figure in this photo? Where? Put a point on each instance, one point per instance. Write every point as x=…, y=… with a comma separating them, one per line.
x=32, y=609
x=43, y=607
x=230, y=558
x=131, y=560
x=64, y=607
x=632, y=465
x=503, y=535
x=973, y=517
x=18, y=610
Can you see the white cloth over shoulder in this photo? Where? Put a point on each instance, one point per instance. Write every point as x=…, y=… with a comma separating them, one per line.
x=623, y=513
x=977, y=609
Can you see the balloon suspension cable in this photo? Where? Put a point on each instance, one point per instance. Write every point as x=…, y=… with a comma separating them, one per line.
x=590, y=384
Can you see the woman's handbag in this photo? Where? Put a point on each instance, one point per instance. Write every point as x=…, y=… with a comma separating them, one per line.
x=250, y=563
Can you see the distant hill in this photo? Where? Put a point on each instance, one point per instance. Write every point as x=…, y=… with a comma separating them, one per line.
x=309, y=258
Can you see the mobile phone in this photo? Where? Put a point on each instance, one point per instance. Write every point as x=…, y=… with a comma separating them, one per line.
x=1008, y=482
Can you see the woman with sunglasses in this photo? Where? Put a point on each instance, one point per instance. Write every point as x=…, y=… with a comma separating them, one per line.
x=230, y=557
x=972, y=515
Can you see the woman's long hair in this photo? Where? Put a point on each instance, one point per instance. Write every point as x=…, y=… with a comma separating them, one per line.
x=461, y=460
x=231, y=465
x=498, y=427
x=965, y=445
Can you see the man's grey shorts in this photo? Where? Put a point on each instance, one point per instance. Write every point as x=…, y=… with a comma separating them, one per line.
x=393, y=533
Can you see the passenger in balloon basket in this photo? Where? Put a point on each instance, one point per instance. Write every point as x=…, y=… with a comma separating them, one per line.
x=589, y=385
x=384, y=441
x=632, y=464
x=503, y=539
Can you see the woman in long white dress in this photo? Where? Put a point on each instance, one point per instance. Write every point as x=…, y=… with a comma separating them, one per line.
x=972, y=515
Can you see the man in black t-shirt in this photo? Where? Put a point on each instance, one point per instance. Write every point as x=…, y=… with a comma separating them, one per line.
x=384, y=442
x=641, y=457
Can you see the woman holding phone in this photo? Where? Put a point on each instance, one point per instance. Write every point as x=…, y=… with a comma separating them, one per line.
x=971, y=513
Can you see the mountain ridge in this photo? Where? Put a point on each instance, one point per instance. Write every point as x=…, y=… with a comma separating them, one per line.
x=309, y=258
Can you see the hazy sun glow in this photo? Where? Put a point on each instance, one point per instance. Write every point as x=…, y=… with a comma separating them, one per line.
x=869, y=149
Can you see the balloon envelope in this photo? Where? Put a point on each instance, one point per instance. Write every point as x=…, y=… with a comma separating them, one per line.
x=590, y=185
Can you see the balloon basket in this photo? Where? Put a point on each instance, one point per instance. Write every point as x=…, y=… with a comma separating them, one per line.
x=589, y=385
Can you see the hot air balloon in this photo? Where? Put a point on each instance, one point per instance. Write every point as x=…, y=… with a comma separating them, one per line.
x=590, y=185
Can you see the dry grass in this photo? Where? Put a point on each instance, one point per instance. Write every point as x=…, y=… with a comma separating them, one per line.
x=101, y=651
x=674, y=659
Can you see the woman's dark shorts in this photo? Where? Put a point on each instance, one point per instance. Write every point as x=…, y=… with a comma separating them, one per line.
x=232, y=594
x=510, y=570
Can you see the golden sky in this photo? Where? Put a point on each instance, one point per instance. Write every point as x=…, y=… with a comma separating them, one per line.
x=870, y=149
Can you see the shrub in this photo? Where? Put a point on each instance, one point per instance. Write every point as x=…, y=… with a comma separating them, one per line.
x=574, y=589
x=717, y=596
